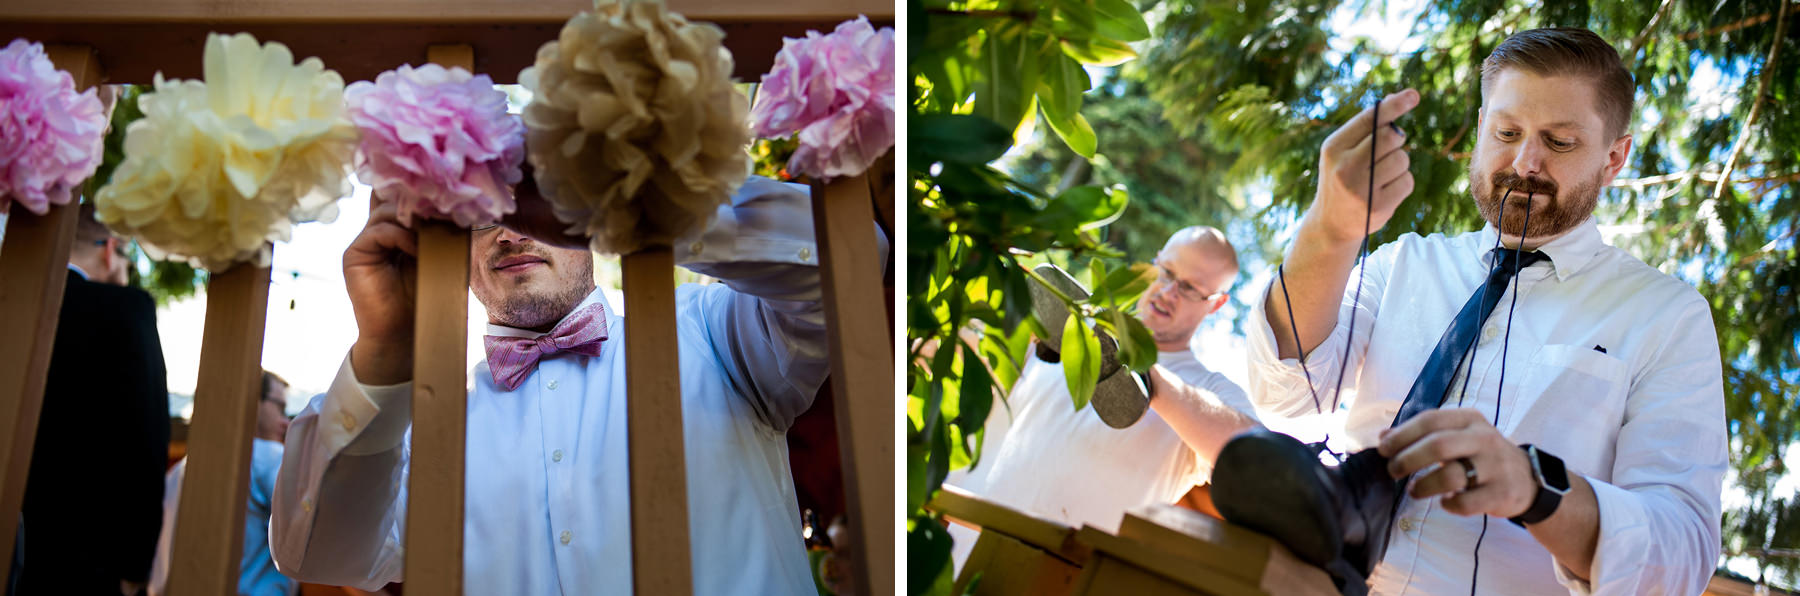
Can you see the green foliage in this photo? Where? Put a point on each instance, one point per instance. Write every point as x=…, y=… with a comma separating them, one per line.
x=982, y=70
x=1234, y=99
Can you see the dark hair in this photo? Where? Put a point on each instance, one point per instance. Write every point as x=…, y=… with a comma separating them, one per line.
x=269, y=381
x=89, y=231
x=1568, y=51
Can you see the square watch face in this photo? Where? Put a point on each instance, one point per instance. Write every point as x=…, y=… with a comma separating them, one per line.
x=1551, y=471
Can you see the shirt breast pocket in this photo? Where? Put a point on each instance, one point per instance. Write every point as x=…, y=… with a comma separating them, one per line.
x=1571, y=401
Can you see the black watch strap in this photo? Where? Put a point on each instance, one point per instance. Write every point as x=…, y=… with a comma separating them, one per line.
x=1552, y=482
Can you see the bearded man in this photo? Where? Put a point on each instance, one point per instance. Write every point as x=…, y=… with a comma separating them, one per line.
x=1587, y=410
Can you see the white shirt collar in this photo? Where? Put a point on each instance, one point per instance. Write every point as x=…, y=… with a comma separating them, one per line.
x=78, y=271
x=595, y=296
x=1569, y=253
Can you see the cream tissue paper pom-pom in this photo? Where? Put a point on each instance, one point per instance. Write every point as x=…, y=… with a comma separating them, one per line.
x=635, y=129
x=218, y=168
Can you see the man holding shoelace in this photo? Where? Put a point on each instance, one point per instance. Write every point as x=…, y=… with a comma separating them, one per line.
x=1581, y=394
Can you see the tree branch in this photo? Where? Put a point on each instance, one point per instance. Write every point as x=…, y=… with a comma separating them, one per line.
x=1727, y=28
x=1637, y=43
x=1708, y=177
x=1762, y=88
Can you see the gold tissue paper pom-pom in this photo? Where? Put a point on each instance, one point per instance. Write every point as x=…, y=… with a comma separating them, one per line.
x=218, y=168
x=635, y=129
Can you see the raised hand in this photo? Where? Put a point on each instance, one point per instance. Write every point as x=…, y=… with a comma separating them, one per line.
x=1342, y=203
x=379, y=274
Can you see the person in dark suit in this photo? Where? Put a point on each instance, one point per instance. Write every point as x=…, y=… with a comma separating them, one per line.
x=93, y=499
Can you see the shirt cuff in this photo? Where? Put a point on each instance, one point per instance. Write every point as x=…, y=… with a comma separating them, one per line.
x=358, y=419
x=1621, y=547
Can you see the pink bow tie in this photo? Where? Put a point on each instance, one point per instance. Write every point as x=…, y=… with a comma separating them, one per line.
x=511, y=359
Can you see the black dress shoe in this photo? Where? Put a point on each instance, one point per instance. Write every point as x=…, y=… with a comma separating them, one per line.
x=1335, y=517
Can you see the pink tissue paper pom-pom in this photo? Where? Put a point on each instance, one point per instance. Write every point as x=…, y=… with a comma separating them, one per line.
x=438, y=142
x=49, y=134
x=837, y=91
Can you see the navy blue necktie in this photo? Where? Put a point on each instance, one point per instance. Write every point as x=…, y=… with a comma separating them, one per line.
x=1433, y=385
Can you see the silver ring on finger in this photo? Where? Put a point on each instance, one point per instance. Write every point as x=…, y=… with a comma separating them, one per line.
x=1469, y=476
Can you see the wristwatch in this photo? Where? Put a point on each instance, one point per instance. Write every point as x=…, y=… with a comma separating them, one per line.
x=1552, y=483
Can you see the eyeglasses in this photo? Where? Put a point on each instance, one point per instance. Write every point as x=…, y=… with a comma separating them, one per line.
x=1183, y=289
x=484, y=228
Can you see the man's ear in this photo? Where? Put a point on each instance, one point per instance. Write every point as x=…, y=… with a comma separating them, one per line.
x=1615, y=156
x=1219, y=302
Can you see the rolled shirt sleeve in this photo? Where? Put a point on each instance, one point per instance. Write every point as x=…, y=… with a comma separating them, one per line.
x=1660, y=513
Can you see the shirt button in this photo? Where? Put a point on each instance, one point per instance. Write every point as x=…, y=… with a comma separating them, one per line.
x=805, y=253
x=1491, y=332
x=552, y=384
x=306, y=504
x=347, y=421
x=695, y=247
x=566, y=537
x=1407, y=525
x=556, y=455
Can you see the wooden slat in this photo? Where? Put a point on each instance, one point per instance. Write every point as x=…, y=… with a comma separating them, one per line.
x=434, y=511
x=862, y=371
x=135, y=52
x=1182, y=575
x=209, y=538
x=420, y=11
x=660, y=563
x=961, y=506
x=1005, y=567
x=33, y=265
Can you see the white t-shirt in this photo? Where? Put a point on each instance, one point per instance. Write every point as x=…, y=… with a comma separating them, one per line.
x=1048, y=459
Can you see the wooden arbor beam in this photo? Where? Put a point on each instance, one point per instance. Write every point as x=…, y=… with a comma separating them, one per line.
x=32, y=265
x=361, y=38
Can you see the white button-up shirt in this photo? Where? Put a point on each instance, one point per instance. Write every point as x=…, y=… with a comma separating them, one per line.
x=1612, y=366
x=546, y=485
x=1042, y=456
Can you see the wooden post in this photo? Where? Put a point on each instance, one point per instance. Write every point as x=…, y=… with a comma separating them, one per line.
x=660, y=562
x=434, y=511
x=862, y=370
x=33, y=266
x=209, y=537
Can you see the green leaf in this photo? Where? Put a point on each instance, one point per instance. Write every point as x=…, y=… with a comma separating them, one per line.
x=1143, y=345
x=1080, y=360
x=928, y=545
x=1074, y=130
x=1099, y=52
x=977, y=393
x=1063, y=83
x=1128, y=283
x=1008, y=82
x=1083, y=208
x=957, y=138
x=1119, y=20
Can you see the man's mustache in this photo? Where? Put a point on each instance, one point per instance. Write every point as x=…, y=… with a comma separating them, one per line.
x=1532, y=184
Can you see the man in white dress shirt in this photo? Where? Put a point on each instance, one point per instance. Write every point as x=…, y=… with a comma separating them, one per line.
x=546, y=450
x=1610, y=368
x=1048, y=459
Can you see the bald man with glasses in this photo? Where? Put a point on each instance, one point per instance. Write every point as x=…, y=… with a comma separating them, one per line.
x=1046, y=458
